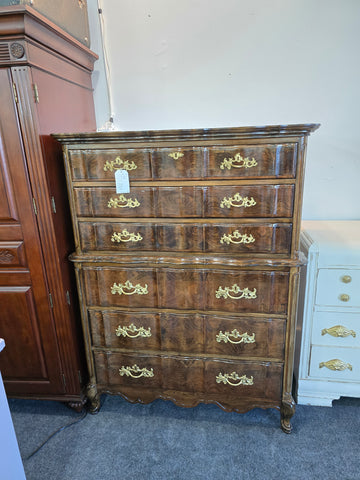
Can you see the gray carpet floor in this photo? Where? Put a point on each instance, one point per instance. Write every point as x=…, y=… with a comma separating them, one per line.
x=161, y=441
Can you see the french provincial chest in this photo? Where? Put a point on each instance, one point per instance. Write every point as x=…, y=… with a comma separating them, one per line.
x=188, y=279
x=327, y=360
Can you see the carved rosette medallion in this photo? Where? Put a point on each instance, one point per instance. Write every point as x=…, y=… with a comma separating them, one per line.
x=17, y=50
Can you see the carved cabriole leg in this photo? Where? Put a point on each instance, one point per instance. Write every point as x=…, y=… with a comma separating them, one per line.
x=93, y=399
x=287, y=410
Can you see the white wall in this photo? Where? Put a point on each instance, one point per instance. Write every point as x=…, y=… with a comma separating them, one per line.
x=210, y=63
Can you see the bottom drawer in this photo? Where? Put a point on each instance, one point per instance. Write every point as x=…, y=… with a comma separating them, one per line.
x=246, y=378
x=337, y=364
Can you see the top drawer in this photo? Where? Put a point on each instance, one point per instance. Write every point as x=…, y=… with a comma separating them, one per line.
x=338, y=287
x=245, y=161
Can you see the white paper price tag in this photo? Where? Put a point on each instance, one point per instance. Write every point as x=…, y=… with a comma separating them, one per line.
x=122, y=181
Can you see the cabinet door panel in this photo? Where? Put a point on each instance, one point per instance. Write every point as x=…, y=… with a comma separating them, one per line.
x=30, y=363
x=23, y=341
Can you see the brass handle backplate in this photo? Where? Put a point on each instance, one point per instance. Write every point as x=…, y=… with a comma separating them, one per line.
x=236, y=237
x=228, y=377
x=238, y=162
x=243, y=337
x=128, y=288
x=239, y=293
x=336, y=365
x=133, y=332
x=122, y=202
x=136, y=372
x=338, y=331
x=237, y=201
x=119, y=164
x=176, y=155
x=125, y=236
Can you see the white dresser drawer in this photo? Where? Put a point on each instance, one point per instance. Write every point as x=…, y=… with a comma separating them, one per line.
x=337, y=364
x=338, y=287
x=336, y=329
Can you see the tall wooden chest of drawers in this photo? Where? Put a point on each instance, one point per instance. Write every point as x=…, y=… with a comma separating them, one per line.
x=188, y=282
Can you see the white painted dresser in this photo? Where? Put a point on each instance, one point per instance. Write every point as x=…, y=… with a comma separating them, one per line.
x=327, y=355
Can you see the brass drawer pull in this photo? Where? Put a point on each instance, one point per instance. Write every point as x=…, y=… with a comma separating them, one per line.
x=128, y=288
x=133, y=332
x=237, y=201
x=136, y=372
x=176, y=155
x=227, y=291
x=346, y=279
x=336, y=365
x=125, y=236
x=344, y=297
x=338, y=331
x=244, y=337
x=238, y=162
x=237, y=238
x=119, y=164
x=122, y=202
x=227, y=377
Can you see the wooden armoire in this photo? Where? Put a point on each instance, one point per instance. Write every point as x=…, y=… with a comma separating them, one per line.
x=45, y=87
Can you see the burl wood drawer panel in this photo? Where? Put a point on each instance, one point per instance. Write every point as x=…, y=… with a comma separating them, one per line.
x=249, y=201
x=185, y=237
x=246, y=161
x=186, y=201
x=244, y=378
x=253, y=161
x=101, y=164
x=188, y=333
x=187, y=289
x=247, y=379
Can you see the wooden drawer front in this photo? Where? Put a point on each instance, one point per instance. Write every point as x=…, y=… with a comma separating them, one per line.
x=246, y=161
x=258, y=380
x=335, y=363
x=105, y=202
x=253, y=336
x=185, y=237
x=187, y=289
x=141, y=202
x=338, y=287
x=247, y=291
x=186, y=201
x=224, y=336
x=188, y=333
x=248, y=238
x=245, y=379
x=249, y=201
x=101, y=164
x=338, y=329
x=127, y=287
x=128, y=370
x=178, y=163
x=276, y=161
x=118, y=329
x=111, y=236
